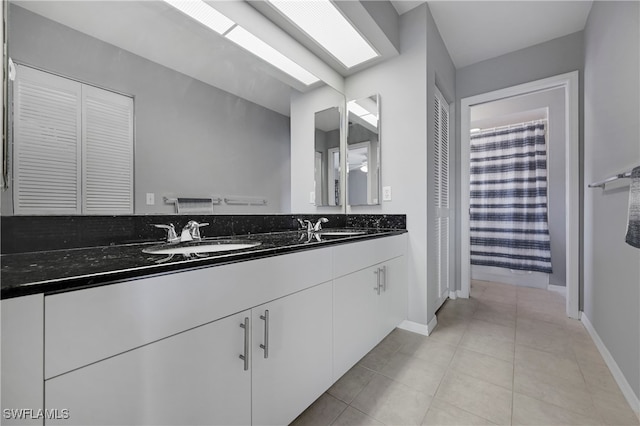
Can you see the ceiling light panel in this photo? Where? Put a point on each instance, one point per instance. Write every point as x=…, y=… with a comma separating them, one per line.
x=203, y=13
x=324, y=23
x=253, y=44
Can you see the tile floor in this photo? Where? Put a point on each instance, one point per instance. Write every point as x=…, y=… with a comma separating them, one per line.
x=507, y=355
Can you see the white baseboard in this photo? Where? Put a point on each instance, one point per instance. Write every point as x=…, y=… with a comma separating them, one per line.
x=454, y=294
x=415, y=327
x=558, y=289
x=624, y=385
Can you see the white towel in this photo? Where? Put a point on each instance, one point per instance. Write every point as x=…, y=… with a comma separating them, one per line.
x=633, y=227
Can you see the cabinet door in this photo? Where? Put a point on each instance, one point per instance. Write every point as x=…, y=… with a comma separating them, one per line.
x=195, y=377
x=393, y=296
x=356, y=327
x=297, y=366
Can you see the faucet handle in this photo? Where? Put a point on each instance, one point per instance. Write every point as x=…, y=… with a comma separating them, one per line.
x=171, y=231
x=192, y=228
x=318, y=225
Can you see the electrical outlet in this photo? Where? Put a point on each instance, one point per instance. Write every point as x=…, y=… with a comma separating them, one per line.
x=386, y=193
x=312, y=197
x=151, y=198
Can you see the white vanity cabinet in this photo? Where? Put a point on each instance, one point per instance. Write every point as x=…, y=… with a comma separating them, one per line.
x=252, y=342
x=293, y=368
x=195, y=377
x=166, y=349
x=369, y=302
x=21, y=368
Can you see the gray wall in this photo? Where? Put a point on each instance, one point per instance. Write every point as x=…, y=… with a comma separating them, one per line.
x=611, y=145
x=406, y=85
x=191, y=139
x=499, y=113
x=558, y=56
x=402, y=85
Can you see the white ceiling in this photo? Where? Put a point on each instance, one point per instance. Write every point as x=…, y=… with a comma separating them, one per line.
x=474, y=31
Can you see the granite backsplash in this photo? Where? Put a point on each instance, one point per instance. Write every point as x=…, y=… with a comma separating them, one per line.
x=23, y=234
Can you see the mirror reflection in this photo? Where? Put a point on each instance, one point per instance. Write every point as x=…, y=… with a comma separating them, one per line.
x=363, y=151
x=327, y=157
x=210, y=119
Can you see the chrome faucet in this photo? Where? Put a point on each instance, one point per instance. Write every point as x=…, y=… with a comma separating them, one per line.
x=191, y=231
x=306, y=224
x=172, y=237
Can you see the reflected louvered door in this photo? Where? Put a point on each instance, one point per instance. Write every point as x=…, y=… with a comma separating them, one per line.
x=441, y=194
x=46, y=143
x=107, y=130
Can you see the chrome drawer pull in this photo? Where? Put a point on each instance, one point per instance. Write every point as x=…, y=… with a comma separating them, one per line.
x=245, y=357
x=265, y=346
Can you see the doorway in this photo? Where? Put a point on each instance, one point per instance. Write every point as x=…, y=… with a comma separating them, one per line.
x=568, y=83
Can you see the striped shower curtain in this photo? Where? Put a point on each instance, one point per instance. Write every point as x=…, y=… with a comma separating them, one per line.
x=509, y=225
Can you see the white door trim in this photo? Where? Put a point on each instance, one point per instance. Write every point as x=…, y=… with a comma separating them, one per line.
x=569, y=82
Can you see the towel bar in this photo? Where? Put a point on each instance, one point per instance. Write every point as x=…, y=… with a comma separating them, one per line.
x=602, y=183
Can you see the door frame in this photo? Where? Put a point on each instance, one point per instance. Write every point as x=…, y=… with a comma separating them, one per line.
x=569, y=82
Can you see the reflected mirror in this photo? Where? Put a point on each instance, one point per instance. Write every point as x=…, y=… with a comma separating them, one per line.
x=327, y=157
x=363, y=151
x=210, y=119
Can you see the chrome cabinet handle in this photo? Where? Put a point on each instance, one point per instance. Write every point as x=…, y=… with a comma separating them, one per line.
x=245, y=356
x=265, y=346
x=377, y=287
x=384, y=277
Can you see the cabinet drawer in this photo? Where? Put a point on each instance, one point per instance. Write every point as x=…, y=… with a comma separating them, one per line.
x=349, y=258
x=86, y=326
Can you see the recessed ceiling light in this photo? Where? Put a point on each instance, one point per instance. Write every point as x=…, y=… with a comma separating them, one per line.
x=324, y=23
x=203, y=13
x=261, y=49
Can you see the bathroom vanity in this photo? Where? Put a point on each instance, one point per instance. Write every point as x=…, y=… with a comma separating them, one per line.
x=251, y=339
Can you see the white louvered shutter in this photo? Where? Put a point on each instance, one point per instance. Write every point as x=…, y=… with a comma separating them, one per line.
x=46, y=144
x=72, y=147
x=441, y=194
x=107, y=133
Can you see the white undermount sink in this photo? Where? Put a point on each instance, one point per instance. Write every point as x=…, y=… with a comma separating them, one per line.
x=203, y=247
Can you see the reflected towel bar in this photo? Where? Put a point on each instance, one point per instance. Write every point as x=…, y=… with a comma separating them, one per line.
x=246, y=201
x=214, y=201
x=602, y=183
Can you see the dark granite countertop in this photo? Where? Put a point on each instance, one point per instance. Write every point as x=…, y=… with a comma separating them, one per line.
x=57, y=271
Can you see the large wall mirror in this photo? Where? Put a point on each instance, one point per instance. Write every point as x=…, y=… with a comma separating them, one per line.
x=363, y=151
x=211, y=120
x=327, y=157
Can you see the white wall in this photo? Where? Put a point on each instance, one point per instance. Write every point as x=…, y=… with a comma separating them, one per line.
x=402, y=85
x=611, y=145
x=406, y=86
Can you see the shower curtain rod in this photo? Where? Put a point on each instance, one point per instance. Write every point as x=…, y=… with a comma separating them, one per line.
x=507, y=126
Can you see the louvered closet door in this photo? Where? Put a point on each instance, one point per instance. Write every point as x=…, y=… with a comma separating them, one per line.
x=107, y=132
x=441, y=194
x=46, y=143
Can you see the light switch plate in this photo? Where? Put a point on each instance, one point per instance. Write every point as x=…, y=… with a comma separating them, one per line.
x=151, y=198
x=386, y=193
x=312, y=197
